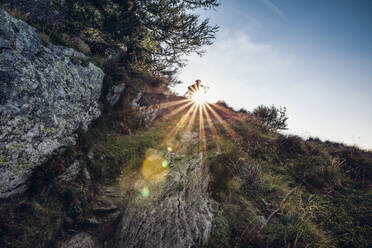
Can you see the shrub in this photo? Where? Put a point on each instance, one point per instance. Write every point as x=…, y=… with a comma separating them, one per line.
x=348, y=217
x=221, y=174
x=272, y=118
x=156, y=34
x=220, y=234
x=118, y=151
x=231, y=170
x=356, y=163
x=296, y=227
x=223, y=104
x=31, y=224
x=249, y=172
x=316, y=172
x=289, y=147
x=290, y=231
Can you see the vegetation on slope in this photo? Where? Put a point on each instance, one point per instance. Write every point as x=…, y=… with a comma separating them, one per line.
x=52, y=210
x=330, y=206
x=252, y=173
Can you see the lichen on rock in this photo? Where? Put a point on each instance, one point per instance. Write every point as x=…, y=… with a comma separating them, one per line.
x=44, y=99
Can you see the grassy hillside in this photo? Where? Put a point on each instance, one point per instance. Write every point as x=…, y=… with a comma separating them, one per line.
x=272, y=190
x=317, y=193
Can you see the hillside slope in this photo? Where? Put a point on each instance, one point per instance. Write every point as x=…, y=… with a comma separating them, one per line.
x=239, y=186
x=158, y=170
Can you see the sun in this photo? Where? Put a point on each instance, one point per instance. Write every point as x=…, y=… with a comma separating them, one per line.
x=199, y=97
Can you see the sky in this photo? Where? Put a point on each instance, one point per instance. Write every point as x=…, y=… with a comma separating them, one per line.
x=313, y=57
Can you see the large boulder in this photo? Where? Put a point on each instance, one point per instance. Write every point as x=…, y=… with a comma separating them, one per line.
x=175, y=212
x=46, y=93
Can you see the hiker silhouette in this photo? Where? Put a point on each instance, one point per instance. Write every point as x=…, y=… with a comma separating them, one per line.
x=192, y=89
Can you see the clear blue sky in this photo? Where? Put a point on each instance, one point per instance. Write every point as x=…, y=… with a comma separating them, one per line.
x=314, y=57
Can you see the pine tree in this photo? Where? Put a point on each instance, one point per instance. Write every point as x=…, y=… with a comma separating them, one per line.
x=156, y=33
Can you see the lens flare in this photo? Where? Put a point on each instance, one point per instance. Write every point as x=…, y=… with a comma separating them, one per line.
x=199, y=97
x=195, y=111
x=155, y=167
x=145, y=192
x=164, y=164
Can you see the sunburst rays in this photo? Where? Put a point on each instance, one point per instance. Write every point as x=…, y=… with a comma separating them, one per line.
x=199, y=124
x=225, y=125
x=212, y=128
x=173, y=103
x=202, y=138
x=179, y=109
x=181, y=123
x=202, y=115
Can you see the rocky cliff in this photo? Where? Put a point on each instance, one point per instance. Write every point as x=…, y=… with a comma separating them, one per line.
x=176, y=213
x=46, y=93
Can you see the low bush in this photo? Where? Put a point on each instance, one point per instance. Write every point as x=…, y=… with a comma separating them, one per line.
x=290, y=231
x=356, y=163
x=272, y=118
x=117, y=152
x=315, y=172
x=31, y=224
x=221, y=232
x=296, y=226
x=348, y=218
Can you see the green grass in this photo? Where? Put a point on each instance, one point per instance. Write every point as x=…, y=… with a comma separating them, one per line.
x=220, y=231
x=348, y=216
x=333, y=209
x=114, y=153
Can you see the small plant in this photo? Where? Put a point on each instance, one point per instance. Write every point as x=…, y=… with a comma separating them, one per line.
x=179, y=187
x=40, y=53
x=316, y=172
x=346, y=218
x=31, y=224
x=272, y=118
x=118, y=151
x=45, y=39
x=220, y=231
x=79, y=61
x=296, y=227
x=249, y=172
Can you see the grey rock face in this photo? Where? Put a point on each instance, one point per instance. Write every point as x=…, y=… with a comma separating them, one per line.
x=70, y=173
x=114, y=94
x=136, y=101
x=81, y=240
x=45, y=95
x=179, y=216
